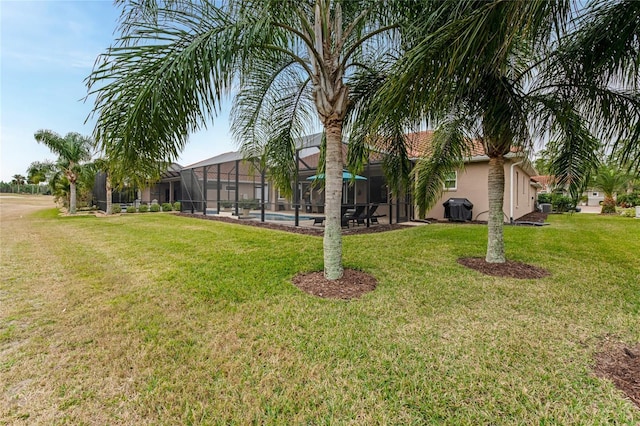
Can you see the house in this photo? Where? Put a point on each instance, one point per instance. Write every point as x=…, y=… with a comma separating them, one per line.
x=229, y=179
x=547, y=183
x=167, y=190
x=591, y=197
x=471, y=181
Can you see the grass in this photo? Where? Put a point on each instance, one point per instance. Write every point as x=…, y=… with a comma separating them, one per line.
x=157, y=319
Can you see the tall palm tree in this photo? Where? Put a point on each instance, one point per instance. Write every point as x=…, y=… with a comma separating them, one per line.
x=485, y=71
x=73, y=150
x=18, y=180
x=290, y=64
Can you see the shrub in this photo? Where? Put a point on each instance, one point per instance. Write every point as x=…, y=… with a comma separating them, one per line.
x=544, y=198
x=166, y=207
x=143, y=208
x=631, y=212
x=115, y=208
x=226, y=204
x=248, y=204
x=131, y=209
x=561, y=203
x=155, y=208
x=176, y=206
x=629, y=200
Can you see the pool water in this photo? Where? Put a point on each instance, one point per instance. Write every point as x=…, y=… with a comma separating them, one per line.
x=279, y=216
x=270, y=216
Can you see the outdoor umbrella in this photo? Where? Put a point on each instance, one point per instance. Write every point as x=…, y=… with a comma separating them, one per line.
x=345, y=176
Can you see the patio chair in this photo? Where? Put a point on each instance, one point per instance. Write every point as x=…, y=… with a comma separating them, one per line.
x=372, y=216
x=347, y=215
x=319, y=220
x=355, y=214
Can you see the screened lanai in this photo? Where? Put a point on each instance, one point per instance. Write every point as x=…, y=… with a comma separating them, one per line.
x=229, y=182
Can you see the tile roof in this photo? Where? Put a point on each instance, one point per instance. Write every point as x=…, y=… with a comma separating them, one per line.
x=419, y=144
x=545, y=180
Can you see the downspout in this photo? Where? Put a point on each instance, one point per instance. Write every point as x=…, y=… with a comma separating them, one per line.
x=511, y=190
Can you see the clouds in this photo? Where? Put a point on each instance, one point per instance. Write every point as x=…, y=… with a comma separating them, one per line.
x=55, y=33
x=47, y=50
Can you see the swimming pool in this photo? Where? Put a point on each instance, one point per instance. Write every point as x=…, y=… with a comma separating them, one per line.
x=270, y=216
x=280, y=216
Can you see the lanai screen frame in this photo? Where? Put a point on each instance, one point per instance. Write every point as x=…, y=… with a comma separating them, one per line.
x=197, y=193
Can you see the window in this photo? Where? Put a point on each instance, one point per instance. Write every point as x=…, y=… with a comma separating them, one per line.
x=451, y=181
x=517, y=189
x=259, y=193
x=595, y=194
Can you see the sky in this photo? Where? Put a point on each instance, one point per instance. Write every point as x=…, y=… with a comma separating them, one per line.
x=47, y=49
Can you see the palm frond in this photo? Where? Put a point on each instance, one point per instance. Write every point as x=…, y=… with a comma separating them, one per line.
x=604, y=46
x=575, y=149
x=161, y=81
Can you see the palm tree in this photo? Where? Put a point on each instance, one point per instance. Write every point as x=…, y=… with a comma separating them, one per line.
x=18, y=180
x=72, y=151
x=610, y=180
x=485, y=72
x=40, y=171
x=292, y=64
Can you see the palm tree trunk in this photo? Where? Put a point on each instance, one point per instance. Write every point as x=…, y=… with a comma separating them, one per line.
x=333, y=202
x=72, y=197
x=495, y=243
x=108, y=191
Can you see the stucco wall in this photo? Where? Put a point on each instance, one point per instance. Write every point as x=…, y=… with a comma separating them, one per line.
x=472, y=185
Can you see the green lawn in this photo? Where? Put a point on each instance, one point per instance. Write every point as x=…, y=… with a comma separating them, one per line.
x=158, y=319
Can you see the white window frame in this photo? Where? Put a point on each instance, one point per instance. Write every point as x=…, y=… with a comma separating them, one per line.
x=455, y=182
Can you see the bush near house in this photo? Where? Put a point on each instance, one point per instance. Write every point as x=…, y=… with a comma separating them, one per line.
x=629, y=212
x=544, y=198
x=143, y=208
x=131, y=209
x=176, y=206
x=115, y=208
x=629, y=200
x=560, y=203
x=166, y=207
x=155, y=208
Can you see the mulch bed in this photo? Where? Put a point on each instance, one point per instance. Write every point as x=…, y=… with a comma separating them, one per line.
x=533, y=217
x=352, y=285
x=304, y=230
x=537, y=217
x=509, y=269
x=620, y=364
